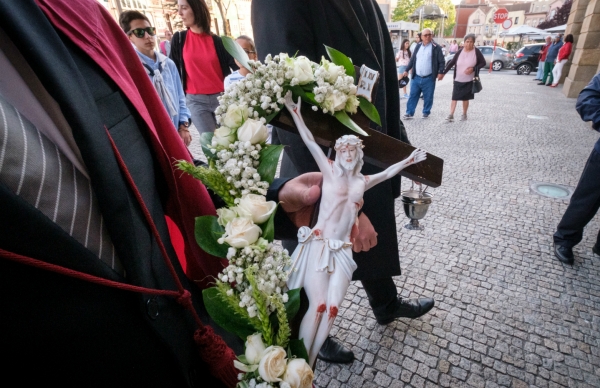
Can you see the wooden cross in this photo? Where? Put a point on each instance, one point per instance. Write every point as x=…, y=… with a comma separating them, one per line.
x=380, y=150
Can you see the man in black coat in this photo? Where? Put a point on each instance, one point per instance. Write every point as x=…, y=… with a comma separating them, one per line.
x=585, y=201
x=357, y=29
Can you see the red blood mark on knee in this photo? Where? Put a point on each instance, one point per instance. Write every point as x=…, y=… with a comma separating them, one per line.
x=321, y=309
x=333, y=312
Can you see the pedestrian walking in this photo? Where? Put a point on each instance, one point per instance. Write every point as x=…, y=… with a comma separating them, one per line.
x=453, y=47
x=402, y=59
x=427, y=65
x=415, y=42
x=561, y=60
x=161, y=70
x=202, y=61
x=165, y=45
x=585, y=201
x=542, y=59
x=466, y=64
x=550, y=60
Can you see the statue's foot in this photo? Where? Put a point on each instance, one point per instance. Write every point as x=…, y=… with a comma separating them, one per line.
x=333, y=351
x=407, y=308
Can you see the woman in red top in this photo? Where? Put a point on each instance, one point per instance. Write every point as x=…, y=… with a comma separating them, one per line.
x=202, y=62
x=563, y=57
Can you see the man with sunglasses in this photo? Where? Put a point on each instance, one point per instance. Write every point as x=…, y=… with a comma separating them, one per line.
x=161, y=70
x=427, y=64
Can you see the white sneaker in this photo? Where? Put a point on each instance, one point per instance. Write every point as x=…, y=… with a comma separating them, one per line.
x=407, y=117
x=463, y=117
x=450, y=118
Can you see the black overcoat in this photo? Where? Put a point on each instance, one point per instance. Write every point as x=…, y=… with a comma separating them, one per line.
x=57, y=329
x=304, y=27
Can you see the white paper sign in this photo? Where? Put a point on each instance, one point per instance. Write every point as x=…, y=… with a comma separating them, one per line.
x=367, y=80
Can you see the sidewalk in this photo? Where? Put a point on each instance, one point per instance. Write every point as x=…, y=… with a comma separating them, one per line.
x=507, y=312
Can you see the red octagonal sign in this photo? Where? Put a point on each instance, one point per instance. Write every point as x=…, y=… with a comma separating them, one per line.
x=500, y=15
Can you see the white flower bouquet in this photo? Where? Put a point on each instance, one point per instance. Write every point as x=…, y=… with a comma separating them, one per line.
x=250, y=297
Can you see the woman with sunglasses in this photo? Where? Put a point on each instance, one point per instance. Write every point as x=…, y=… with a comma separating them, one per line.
x=202, y=62
x=161, y=70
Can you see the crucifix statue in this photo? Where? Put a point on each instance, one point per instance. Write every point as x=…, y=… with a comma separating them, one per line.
x=322, y=261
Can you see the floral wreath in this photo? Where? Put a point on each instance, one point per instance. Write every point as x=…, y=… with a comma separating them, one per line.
x=250, y=297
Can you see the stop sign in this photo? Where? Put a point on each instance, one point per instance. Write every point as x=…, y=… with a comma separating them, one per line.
x=500, y=15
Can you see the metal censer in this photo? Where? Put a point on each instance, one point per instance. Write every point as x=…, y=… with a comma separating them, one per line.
x=416, y=203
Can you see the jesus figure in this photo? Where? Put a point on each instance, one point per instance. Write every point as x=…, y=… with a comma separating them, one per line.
x=322, y=262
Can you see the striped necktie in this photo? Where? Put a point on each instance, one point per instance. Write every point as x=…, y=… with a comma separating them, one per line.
x=35, y=170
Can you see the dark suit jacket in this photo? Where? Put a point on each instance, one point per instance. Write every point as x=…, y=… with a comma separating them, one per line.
x=62, y=330
x=437, y=60
x=304, y=27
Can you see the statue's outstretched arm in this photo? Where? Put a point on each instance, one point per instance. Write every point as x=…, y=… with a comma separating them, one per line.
x=307, y=137
x=417, y=156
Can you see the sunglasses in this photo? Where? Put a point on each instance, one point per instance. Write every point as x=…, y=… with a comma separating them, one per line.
x=426, y=34
x=141, y=32
x=250, y=52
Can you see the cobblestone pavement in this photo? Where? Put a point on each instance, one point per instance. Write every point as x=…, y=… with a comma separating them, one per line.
x=507, y=313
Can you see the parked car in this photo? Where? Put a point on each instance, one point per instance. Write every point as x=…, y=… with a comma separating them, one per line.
x=527, y=58
x=502, y=57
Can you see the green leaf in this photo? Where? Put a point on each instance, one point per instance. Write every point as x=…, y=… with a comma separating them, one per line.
x=293, y=304
x=340, y=59
x=272, y=116
x=237, y=52
x=268, y=227
x=206, y=143
x=369, y=110
x=298, y=349
x=269, y=159
x=224, y=316
x=343, y=118
x=207, y=232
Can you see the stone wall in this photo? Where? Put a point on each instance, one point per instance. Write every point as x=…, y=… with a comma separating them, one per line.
x=584, y=24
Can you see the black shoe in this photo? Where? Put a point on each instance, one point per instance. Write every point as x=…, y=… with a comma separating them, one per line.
x=564, y=254
x=596, y=249
x=333, y=351
x=541, y=83
x=407, y=308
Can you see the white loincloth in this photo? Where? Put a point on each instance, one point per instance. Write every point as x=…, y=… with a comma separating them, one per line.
x=319, y=254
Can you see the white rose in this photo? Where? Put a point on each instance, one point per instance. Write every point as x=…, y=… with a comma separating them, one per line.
x=253, y=131
x=241, y=232
x=352, y=104
x=223, y=136
x=235, y=116
x=332, y=71
x=256, y=207
x=272, y=364
x=335, y=101
x=225, y=215
x=298, y=374
x=303, y=70
x=254, y=348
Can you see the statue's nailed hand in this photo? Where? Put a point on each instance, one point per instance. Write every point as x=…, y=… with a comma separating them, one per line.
x=417, y=156
x=299, y=195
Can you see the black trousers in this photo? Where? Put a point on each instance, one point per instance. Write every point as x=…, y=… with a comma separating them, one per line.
x=583, y=206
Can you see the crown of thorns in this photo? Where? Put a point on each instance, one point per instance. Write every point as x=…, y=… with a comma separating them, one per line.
x=348, y=140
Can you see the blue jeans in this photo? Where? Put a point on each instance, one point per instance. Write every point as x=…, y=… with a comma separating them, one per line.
x=540, y=71
x=418, y=85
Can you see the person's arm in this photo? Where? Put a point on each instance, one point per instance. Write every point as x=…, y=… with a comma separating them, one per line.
x=183, y=111
x=588, y=103
x=411, y=63
x=480, y=59
x=305, y=134
x=416, y=156
x=440, y=62
x=452, y=63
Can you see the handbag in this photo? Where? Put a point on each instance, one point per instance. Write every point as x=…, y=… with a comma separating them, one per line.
x=476, y=88
x=403, y=82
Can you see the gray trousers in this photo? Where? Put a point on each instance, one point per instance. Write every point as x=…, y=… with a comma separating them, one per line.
x=202, y=107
